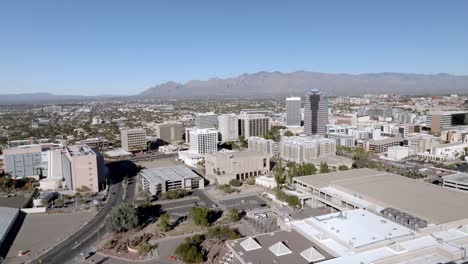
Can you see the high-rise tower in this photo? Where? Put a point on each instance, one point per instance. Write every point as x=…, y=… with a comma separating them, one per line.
x=315, y=113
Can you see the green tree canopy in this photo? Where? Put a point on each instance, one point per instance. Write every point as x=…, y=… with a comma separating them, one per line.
x=122, y=218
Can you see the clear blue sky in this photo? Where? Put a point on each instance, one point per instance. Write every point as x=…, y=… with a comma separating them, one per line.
x=123, y=47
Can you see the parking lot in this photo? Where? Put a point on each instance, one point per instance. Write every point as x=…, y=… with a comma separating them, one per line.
x=42, y=231
x=244, y=203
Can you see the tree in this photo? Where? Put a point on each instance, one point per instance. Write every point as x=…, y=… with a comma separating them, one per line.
x=343, y=168
x=164, y=222
x=235, y=182
x=222, y=233
x=293, y=201
x=288, y=133
x=200, y=216
x=234, y=214
x=279, y=177
x=250, y=181
x=324, y=167
x=122, y=218
x=44, y=202
x=144, y=248
x=189, y=253
x=59, y=202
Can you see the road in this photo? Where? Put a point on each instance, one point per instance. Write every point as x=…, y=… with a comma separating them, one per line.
x=89, y=234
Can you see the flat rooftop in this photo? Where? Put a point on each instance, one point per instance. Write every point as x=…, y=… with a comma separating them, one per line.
x=7, y=217
x=294, y=242
x=458, y=177
x=80, y=150
x=174, y=173
x=359, y=228
x=433, y=203
x=236, y=154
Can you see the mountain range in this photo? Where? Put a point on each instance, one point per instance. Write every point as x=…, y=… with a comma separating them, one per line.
x=271, y=84
x=297, y=83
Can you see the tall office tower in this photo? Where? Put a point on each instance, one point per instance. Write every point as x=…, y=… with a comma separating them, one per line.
x=228, y=127
x=23, y=161
x=253, y=125
x=203, y=141
x=170, y=132
x=206, y=120
x=315, y=113
x=133, y=139
x=293, y=112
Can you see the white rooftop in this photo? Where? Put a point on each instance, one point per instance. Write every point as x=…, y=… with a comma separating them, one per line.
x=312, y=255
x=359, y=228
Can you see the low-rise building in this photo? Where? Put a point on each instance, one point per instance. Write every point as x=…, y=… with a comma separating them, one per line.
x=161, y=180
x=23, y=161
x=381, y=145
x=225, y=166
x=397, y=153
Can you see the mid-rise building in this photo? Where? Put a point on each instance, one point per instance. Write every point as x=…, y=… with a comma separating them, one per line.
x=170, y=132
x=86, y=168
x=380, y=144
x=264, y=146
x=23, y=161
x=133, y=139
x=418, y=142
x=253, y=125
x=293, y=112
x=203, y=141
x=98, y=143
x=442, y=120
x=315, y=113
x=228, y=127
x=304, y=149
x=343, y=140
x=225, y=166
x=161, y=180
x=206, y=120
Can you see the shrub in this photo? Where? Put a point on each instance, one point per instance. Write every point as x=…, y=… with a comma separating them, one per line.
x=235, y=183
x=250, y=181
x=226, y=188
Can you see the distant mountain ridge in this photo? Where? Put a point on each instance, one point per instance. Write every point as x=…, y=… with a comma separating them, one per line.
x=270, y=84
x=297, y=83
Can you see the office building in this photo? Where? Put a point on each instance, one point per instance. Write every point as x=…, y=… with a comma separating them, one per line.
x=293, y=112
x=228, y=127
x=203, y=141
x=161, y=180
x=315, y=113
x=225, y=166
x=206, y=120
x=343, y=140
x=443, y=120
x=253, y=125
x=133, y=140
x=23, y=161
x=86, y=168
x=170, y=132
x=264, y=146
x=304, y=149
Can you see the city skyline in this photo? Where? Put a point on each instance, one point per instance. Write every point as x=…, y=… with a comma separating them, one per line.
x=100, y=48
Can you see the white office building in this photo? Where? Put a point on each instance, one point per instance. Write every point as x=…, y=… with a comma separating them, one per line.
x=264, y=146
x=203, y=141
x=293, y=112
x=228, y=127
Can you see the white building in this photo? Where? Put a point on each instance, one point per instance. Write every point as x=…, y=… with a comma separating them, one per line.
x=264, y=146
x=228, y=127
x=206, y=120
x=293, y=112
x=302, y=149
x=160, y=180
x=203, y=141
x=397, y=153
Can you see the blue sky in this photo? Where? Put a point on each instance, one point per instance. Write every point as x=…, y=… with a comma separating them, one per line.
x=123, y=47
